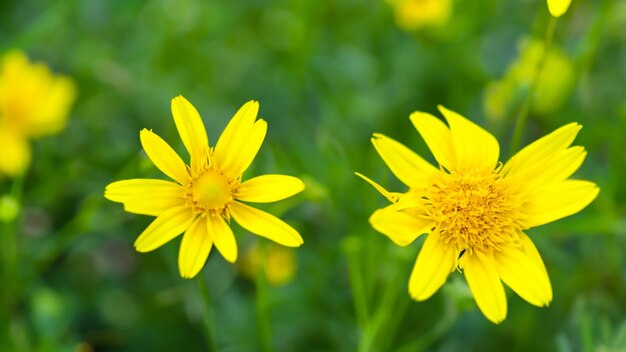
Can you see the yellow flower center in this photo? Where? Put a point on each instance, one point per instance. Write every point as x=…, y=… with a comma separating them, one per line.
x=474, y=211
x=210, y=192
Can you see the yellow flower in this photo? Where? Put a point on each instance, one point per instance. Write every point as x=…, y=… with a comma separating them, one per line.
x=33, y=103
x=475, y=210
x=208, y=192
x=558, y=8
x=412, y=15
x=280, y=264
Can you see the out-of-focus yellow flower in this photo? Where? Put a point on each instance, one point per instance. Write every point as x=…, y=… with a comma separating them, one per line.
x=558, y=8
x=412, y=15
x=554, y=85
x=209, y=191
x=33, y=103
x=280, y=264
x=476, y=210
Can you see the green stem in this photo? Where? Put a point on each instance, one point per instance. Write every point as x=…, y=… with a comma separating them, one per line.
x=262, y=304
x=522, y=116
x=357, y=283
x=208, y=313
x=10, y=275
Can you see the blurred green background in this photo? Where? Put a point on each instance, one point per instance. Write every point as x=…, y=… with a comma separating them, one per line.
x=327, y=74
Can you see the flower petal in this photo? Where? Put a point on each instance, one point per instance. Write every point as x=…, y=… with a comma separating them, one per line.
x=223, y=237
x=562, y=166
x=400, y=227
x=194, y=248
x=529, y=248
x=164, y=228
x=269, y=188
x=391, y=196
x=475, y=148
x=536, y=155
x=163, y=156
x=558, y=8
x=437, y=136
x=519, y=270
x=559, y=200
x=152, y=206
x=15, y=153
x=236, y=136
x=408, y=167
x=265, y=225
x=484, y=281
x=192, y=131
x=121, y=191
x=432, y=267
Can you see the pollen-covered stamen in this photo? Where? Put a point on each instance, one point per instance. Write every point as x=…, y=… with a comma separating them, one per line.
x=210, y=193
x=474, y=211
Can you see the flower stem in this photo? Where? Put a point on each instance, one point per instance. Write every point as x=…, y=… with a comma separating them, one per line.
x=208, y=313
x=11, y=291
x=522, y=116
x=262, y=305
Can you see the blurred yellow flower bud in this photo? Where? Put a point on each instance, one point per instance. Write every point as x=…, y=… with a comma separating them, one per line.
x=412, y=15
x=558, y=7
x=280, y=265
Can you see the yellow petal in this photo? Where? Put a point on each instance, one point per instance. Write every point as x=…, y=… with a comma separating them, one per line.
x=164, y=228
x=235, y=137
x=484, y=281
x=408, y=167
x=437, y=136
x=534, y=156
x=529, y=248
x=265, y=225
x=562, y=166
x=163, y=156
x=269, y=188
x=15, y=153
x=191, y=130
x=432, y=267
x=121, y=191
x=400, y=227
x=474, y=147
x=558, y=8
x=194, y=248
x=519, y=270
x=146, y=196
x=223, y=237
x=559, y=200
x=153, y=206
x=391, y=196
x=249, y=147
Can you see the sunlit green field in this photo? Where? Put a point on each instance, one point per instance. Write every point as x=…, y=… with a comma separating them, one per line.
x=327, y=75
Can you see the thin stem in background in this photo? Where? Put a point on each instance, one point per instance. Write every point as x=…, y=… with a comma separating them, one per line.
x=357, y=281
x=522, y=116
x=12, y=290
x=208, y=313
x=262, y=303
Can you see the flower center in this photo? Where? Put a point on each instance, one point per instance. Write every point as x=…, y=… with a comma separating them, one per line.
x=211, y=191
x=474, y=211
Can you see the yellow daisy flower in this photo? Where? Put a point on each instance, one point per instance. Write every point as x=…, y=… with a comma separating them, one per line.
x=208, y=192
x=558, y=8
x=33, y=103
x=475, y=210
